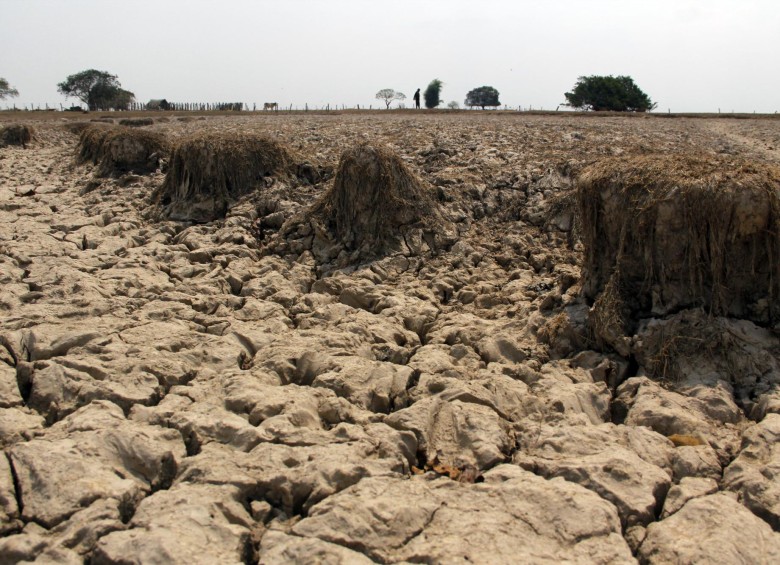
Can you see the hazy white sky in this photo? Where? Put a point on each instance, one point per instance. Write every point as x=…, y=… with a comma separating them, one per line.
x=687, y=55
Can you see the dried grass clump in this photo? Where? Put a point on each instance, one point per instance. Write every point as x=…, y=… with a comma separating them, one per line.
x=209, y=171
x=374, y=201
x=91, y=142
x=665, y=233
x=665, y=357
x=17, y=134
x=609, y=318
x=136, y=122
x=116, y=151
x=692, y=348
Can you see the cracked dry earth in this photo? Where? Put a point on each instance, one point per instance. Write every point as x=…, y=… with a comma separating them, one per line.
x=176, y=393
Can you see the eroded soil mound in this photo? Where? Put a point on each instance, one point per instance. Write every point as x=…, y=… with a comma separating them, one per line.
x=209, y=171
x=665, y=233
x=117, y=151
x=16, y=134
x=376, y=206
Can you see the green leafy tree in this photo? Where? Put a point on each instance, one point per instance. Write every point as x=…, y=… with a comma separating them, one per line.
x=608, y=93
x=6, y=91
x=452, y=105
x=388, y=95
x=432, y=94
x=107, y=97
x=482, y=96
x=99, y=90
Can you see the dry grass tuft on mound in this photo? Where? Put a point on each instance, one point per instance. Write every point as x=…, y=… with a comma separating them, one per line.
x=664, y=233
x=374, y=201
x=136, y=122
x=90, y=142
x=16, y=134
x=117, y=150
x=211, y=170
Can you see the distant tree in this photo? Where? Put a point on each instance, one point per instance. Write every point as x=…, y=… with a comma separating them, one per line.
x=482, y=96
x=608, y=93
x=453, y=105
x=107, y=97
x=99, y=90
x=6, y=91
x=121, y=100
x=388, y=95
x=432, y=93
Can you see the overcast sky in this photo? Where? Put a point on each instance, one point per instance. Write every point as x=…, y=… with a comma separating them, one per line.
x=687, y=55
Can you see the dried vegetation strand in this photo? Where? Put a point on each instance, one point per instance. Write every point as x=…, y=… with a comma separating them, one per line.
x=375, y=200
x=694, y=345
x=117, y=151
x=17, y=134
x=209, y=171
x=665, y=233
x=90, y=142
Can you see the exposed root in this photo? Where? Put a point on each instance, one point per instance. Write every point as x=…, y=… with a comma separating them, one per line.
x=666, y=233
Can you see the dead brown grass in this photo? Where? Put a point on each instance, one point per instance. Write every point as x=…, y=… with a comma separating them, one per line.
x=136, y=122
x=608, y=318
x=217, y=168
x=374, y=196
x=705, y=222
x=90, y=142
x=117, y=150
x=692, y=340
x=17, y=134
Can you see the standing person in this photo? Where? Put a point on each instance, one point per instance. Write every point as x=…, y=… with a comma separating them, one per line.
x=417, y=99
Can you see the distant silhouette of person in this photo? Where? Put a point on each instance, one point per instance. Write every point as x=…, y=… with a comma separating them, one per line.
x=417, y=98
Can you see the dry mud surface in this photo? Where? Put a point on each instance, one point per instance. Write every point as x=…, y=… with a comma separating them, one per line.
x=215, y=393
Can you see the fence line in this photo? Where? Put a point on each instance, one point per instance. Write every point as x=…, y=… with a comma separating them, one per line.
x=245, y=107
x=185, y=107
x=218, y=107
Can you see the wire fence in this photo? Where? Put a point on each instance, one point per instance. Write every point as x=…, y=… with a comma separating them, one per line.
x=164, y=105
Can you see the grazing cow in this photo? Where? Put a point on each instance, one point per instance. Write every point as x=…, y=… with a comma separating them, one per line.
x=270, y=106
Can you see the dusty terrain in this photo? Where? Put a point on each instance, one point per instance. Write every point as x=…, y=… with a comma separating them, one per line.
x=228, y=393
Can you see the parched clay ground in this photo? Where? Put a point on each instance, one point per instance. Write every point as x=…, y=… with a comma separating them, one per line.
x=174, y=393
